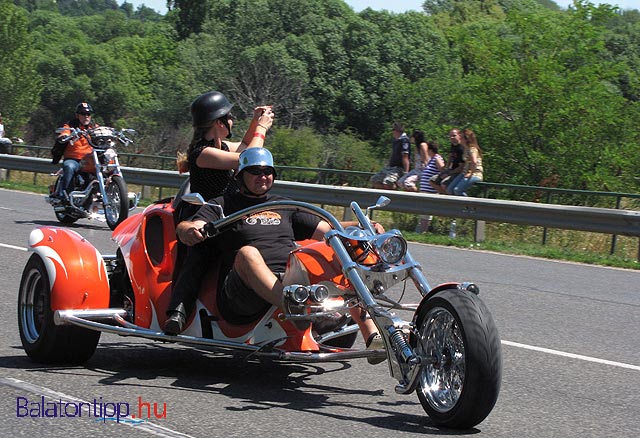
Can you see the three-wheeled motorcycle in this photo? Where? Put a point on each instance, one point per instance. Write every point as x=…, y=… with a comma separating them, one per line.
x=448, y=352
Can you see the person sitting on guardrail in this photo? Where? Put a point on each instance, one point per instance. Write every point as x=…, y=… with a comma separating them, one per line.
x=72, y=150
x=435, y=163
x=410, y=181
x=473, y=169
x=399, y=163
x=454, y=165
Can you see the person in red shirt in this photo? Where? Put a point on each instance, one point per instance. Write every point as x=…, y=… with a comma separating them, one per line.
x=74, y=150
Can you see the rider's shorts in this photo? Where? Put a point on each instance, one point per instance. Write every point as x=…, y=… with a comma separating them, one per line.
x=239, y=304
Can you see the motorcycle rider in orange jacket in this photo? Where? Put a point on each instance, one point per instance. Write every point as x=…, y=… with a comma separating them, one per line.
x=74, y=150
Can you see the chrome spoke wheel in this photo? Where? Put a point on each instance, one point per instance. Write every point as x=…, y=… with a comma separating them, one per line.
x=441, y=343
x=112, y=206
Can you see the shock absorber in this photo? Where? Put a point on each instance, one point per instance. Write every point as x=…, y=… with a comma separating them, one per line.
x=400, y=345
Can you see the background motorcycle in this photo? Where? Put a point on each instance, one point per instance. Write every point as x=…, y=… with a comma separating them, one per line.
x=98, y=189
x=448, y=352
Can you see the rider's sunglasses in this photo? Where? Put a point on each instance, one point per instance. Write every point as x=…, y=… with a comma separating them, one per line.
x=267, y=171
x=85, y=114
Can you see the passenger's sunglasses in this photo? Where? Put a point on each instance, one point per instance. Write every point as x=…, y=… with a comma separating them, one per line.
x=259, y=171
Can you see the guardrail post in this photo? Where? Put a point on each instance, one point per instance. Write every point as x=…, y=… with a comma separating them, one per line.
x=479, y=231
x=146, y=192
x=544, y=230
x=614, y=237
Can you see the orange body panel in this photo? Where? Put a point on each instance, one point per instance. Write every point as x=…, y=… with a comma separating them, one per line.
x=321, y=263
x=75, y=267
x=148, y=244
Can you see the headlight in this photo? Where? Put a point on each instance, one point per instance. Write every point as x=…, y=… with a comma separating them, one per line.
x=391, y=248
x=109, y=154
x=296, y=293
x=319, y=293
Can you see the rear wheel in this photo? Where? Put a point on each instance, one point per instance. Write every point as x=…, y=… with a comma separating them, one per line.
x=61, y=215
x=42, y=340
x=459, y=343
x=116, y=206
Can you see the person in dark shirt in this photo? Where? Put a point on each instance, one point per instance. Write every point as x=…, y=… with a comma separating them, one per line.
x=454, y=165
x=254, y=251
x=210, y=158
x=399, y=163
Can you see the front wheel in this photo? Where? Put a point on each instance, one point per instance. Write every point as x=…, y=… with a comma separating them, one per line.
x=459, y=342
x=116, y=206
x=42, y=340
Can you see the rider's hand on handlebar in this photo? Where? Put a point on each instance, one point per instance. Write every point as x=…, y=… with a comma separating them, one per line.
x=379, y=228
x=189, y=232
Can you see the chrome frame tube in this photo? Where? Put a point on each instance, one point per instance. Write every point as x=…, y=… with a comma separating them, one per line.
x=80, y=318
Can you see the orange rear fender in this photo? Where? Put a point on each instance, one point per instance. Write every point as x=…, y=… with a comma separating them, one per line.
x=76, y=270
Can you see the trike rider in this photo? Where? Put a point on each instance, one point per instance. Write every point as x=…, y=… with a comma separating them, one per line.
x=72, y=150
x=254, y=251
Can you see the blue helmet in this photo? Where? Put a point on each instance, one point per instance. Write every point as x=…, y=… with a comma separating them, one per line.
x=255, y=157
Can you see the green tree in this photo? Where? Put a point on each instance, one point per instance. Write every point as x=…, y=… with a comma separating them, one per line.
x=20, y=83
x=544, y=103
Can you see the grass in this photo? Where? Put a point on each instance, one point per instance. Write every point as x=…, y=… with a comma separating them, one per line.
x=575, y=246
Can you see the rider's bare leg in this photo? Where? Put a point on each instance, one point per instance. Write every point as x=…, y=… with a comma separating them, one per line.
x=367, y=326
x=255, y=273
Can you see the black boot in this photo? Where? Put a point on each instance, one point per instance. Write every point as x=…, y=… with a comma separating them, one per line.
x=175, y=323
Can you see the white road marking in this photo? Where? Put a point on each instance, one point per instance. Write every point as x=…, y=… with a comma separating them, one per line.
x=152, y=428
x=4, y=245
x=510, y=343
x=572, y=355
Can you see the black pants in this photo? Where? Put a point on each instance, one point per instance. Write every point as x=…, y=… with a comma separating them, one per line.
x=198, y=259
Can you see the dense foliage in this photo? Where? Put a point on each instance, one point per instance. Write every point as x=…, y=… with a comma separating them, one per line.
x=552, y=94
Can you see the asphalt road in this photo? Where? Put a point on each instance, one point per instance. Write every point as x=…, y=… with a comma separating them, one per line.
x=571, y=348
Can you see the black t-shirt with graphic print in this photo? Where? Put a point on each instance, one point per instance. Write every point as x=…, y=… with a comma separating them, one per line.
x=273, y=233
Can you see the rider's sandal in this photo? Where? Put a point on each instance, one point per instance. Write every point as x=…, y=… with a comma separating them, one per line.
x=375, y=343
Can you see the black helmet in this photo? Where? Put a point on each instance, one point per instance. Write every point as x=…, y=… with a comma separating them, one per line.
x=209, y=106
x=84, y=107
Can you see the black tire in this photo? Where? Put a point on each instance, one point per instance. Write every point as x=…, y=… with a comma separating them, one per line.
x=42, y=340
x=116, y=207
x=62, y=217
x=459, y=342
x=65, y=218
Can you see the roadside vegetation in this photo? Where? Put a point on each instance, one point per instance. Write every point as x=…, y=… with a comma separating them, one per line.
x=581, y=247
x=554, y=95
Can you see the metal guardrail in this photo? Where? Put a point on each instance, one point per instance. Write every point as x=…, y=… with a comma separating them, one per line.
x=353, y=178
x=599, y=220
